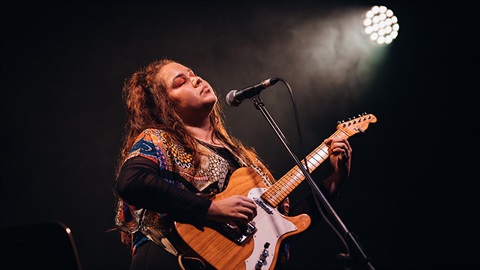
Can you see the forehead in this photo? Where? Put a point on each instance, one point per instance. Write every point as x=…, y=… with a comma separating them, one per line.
x=171, y=70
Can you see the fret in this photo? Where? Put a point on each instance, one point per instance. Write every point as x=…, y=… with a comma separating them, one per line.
x=285, y=185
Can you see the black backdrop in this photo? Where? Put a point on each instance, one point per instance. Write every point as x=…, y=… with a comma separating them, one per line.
x=411, y=195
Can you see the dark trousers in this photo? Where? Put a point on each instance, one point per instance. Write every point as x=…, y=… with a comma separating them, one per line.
x=151, y=256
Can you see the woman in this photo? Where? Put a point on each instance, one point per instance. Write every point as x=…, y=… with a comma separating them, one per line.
x=176, y=154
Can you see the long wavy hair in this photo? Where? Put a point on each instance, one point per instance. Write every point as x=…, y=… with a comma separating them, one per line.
x=148, y=106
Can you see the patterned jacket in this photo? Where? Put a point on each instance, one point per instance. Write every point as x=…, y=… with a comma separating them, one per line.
x=209, y=178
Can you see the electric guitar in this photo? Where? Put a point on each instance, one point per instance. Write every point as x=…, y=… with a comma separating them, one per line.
x=256, y=245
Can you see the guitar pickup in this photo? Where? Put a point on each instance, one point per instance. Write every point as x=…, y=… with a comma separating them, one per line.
x=262, y=204
x=238, y=232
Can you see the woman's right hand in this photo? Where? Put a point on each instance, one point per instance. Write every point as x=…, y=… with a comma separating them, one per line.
x=235, y=208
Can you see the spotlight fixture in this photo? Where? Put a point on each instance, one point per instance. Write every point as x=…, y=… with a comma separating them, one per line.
x=381, y=25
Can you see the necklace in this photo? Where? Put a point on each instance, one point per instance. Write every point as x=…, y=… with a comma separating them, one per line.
x=219, y=149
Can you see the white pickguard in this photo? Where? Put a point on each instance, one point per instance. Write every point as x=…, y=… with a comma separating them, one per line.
x=270, y=227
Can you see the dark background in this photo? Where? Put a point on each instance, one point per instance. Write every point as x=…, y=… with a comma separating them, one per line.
x=411, y=197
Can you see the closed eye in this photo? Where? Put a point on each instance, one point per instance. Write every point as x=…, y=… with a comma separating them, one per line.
x=179, y=82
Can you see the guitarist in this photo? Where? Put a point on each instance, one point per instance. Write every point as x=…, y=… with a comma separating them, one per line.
x=176, y=153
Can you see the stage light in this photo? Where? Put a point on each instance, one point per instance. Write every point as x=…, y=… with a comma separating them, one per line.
x=381, y=25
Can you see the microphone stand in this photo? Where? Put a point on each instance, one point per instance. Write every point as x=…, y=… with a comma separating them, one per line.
x=348, y=236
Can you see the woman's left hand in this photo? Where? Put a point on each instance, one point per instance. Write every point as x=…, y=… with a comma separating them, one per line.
x=340, y=155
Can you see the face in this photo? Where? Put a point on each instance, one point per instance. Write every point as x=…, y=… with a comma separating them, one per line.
x=193, y=97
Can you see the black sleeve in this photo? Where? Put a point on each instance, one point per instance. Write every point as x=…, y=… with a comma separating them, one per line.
x=140, y=184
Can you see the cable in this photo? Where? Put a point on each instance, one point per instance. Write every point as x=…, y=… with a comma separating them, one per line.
x=297, y=122
x=320, y=210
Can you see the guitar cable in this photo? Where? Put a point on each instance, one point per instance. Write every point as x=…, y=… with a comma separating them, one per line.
x=182, y=266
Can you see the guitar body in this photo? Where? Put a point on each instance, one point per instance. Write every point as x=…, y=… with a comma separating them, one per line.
x=240, y=246
x=269, y=226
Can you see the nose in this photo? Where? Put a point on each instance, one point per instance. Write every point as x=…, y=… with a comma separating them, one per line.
x=196, y=80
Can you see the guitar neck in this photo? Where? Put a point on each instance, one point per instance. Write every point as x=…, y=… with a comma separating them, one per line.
x=285, y=185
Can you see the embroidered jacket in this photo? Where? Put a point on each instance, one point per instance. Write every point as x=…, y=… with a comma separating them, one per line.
x=177, y=168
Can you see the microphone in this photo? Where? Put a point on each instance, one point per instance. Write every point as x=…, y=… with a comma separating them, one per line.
x=235, y=97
